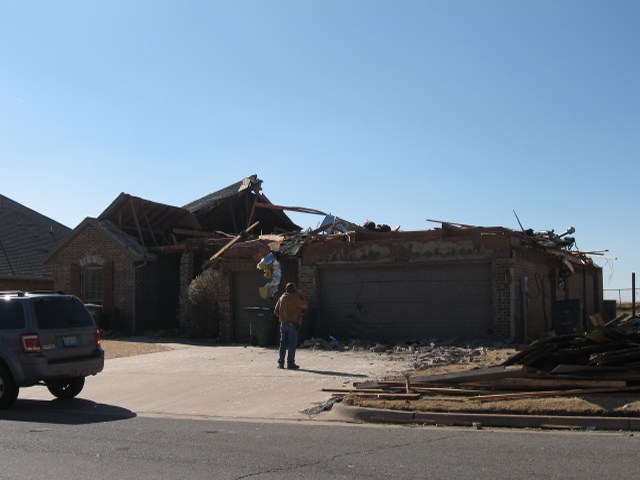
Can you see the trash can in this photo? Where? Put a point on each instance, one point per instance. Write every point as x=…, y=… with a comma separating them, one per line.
x=610, y=309
x=260, y=325
x=96, y=312
x=567, y=316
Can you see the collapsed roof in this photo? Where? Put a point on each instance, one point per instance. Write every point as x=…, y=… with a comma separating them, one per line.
x=227, y=211
x=239, y=205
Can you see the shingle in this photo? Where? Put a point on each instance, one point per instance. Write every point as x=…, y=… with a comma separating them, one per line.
x=26, y=238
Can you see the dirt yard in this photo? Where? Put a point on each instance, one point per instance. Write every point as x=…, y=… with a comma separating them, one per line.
x=129, y=348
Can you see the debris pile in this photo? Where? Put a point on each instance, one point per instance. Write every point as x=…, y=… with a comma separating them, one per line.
x=604, y=360
x=421, y=355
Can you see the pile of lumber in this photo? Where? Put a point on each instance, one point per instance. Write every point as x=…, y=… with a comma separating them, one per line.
x=604, y=360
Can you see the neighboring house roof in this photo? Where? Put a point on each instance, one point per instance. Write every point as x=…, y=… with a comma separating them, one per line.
x=112, y=232
x=26, y=238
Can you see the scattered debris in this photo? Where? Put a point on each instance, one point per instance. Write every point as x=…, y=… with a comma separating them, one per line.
x=422, y=355
x=272, y=272
x=322, y=406
x=605, y=360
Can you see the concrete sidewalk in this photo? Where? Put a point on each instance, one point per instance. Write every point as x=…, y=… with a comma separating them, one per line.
x=233, y=382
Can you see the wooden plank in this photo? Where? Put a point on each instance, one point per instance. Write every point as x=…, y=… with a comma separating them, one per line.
x=389, y=396
x=449, y=390
x=347, y=391
x=589, y=349
x=621, y=356
x=536, y=344
x=596, y=320
x=373, y=394
x=477, y=374
x=589, y=369
x=547, y=383
x=551, y=393
x=619, y=319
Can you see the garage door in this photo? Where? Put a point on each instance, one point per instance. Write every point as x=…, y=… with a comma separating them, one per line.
x=245, y=294
x=406, y=302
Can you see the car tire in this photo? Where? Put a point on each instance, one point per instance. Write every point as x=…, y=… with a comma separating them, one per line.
x=8, y=388
x=66, y=389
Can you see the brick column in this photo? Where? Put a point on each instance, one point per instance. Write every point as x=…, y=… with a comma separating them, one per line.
x=502, y=299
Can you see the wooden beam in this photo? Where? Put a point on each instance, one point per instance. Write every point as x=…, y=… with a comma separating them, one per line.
x=477, y=374
x=135, y=219
x=293, y=209
x=232, y=242
x=146, y=219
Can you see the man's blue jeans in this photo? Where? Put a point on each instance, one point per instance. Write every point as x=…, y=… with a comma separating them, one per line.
x=288, y=342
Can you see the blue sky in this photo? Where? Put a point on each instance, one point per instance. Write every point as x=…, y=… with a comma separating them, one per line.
x=390, y=111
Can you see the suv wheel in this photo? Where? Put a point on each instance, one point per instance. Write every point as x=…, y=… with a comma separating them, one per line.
x=8, y=388
x=66, y=389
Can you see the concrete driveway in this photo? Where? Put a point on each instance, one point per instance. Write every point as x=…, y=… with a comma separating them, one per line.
x=232, y=382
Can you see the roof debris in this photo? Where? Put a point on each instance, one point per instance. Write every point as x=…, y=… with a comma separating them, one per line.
x=605, y=360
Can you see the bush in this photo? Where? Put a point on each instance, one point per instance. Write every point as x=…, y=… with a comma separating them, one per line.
x=201, y=313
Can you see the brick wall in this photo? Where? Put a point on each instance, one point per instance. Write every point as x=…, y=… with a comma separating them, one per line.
x=90, y=241
x=11, y=282
x=502, y=298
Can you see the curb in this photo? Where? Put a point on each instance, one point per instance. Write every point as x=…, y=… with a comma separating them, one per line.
x=348, y=414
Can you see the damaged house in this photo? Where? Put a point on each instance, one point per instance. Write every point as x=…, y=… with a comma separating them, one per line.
x=370, y=282
x=137, y=258
x=456, y=281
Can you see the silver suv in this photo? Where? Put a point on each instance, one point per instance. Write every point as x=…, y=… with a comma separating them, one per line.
x=46, y=338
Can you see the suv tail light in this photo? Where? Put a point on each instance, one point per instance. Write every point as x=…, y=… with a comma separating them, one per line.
x=30, y=343
x=98, y=338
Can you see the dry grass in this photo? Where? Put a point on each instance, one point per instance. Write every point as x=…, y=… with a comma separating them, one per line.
x=126, y=348
x=600, y=405
x=595, y=404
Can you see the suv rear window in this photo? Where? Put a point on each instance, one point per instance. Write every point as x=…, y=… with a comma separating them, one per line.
x=61, y=313
x=11, y=315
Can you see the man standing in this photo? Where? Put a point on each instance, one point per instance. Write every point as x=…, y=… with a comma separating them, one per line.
x=288, y=309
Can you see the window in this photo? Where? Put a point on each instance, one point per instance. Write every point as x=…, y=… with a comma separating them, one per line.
x=54, y=313
x=92, y=284
x=11, y=315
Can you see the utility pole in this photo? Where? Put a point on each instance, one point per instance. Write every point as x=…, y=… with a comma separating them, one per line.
x=633, y=294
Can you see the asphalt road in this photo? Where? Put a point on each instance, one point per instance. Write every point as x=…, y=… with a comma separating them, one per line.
x=228, y=413
x=64, y=444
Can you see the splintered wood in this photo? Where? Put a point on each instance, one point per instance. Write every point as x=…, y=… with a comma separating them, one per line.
x=604, y=360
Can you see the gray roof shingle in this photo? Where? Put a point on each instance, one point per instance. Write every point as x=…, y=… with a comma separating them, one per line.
x=26, y=238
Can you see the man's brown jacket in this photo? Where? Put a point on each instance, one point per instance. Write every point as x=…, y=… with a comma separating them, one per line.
x=289, y=308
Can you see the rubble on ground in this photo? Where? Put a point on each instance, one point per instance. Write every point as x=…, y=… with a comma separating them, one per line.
x=603, y=360
x=422, y=355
